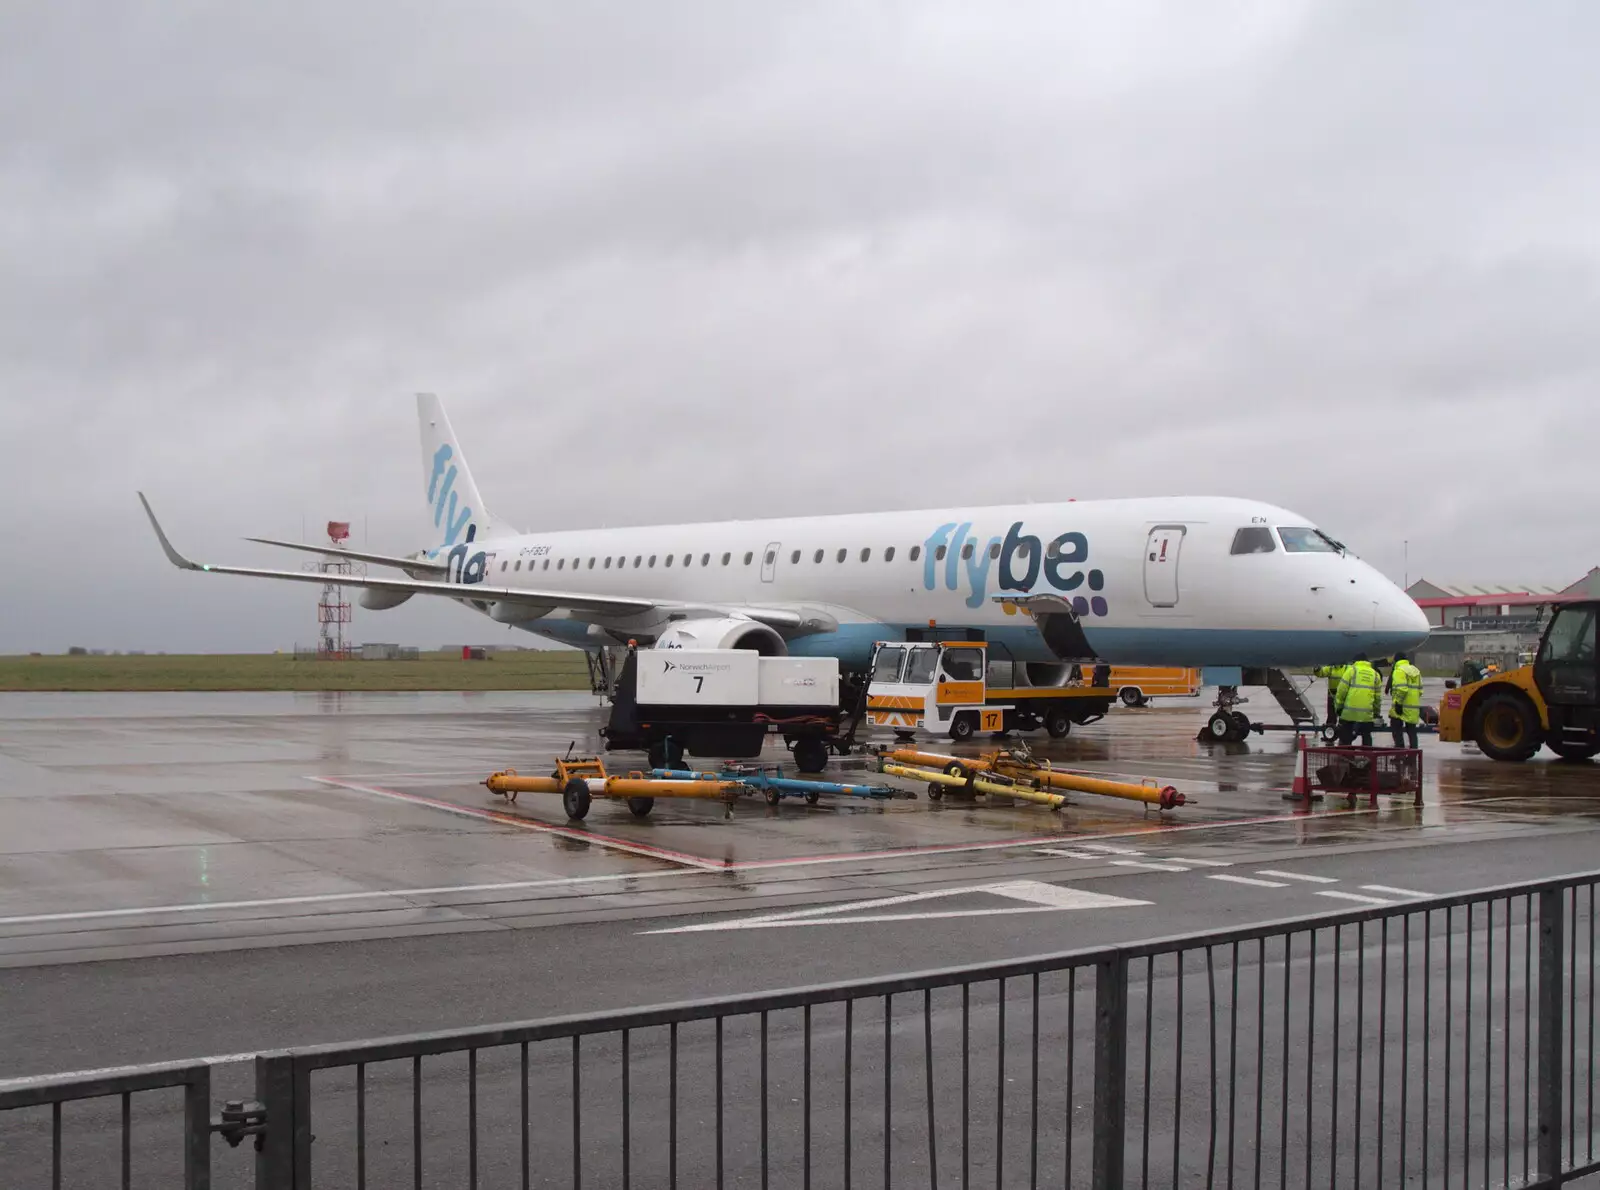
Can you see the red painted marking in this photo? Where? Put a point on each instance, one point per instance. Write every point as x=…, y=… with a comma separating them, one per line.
x=704, y=864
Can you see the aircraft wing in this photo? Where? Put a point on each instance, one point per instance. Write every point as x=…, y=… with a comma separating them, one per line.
x=328, y=551
x=780, y=618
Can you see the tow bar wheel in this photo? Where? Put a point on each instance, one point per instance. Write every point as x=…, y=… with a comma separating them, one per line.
x=575, y=799
x=640, y=807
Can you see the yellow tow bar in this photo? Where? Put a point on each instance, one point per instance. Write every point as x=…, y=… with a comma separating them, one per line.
x=981, y=784
x=1020, y=766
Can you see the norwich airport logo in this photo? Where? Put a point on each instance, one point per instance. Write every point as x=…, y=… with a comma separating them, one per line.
x=1022, y=561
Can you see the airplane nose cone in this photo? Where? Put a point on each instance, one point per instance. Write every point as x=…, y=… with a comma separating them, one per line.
x=1401, y=617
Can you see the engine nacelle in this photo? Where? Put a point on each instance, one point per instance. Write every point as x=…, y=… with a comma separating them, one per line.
x=1045, y=674
x=726, y=633
x=377, y=601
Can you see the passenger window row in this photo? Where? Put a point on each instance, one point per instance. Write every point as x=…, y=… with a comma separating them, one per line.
x=641, y=561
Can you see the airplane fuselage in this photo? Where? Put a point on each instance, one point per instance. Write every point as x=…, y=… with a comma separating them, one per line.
x=1150, y=581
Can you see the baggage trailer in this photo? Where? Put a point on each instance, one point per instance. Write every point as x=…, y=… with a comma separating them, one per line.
x=724, y=703
x=943, y=688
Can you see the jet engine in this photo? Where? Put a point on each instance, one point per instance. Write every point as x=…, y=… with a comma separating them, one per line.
x=729, y=633
x=1047, y=674
x=375, y=600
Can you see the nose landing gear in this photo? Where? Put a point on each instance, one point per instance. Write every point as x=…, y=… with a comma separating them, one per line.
x=1226, y=724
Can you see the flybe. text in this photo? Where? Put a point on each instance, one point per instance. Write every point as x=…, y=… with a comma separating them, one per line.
x=1019, y=562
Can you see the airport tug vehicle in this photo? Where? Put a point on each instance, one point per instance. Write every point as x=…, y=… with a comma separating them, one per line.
x=942, y=688
x=1553, y=703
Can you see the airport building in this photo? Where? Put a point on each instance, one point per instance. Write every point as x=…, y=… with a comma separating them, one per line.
x=1487, y=623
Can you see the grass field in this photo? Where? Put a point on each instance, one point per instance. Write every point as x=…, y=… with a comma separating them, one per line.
x=562, y=669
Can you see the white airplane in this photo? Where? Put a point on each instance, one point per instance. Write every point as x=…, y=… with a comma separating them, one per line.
x=1181, y=580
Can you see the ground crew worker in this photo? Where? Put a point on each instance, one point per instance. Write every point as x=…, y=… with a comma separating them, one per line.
x=1332, y=673
x=1405, y=706
x=1358, y=700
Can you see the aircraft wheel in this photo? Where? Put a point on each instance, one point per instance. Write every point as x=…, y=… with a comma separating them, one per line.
x=640, y=807
x=1241, y=727
x=1058, y=723
x=810, y=755
x=1220, y=727
x=1508, y=728
x=575, y=799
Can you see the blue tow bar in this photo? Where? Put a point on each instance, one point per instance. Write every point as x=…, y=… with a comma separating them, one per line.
x=776, y=787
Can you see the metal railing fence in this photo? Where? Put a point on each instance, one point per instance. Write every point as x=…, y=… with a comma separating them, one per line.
x=1449, y=1041
x=106, y=1108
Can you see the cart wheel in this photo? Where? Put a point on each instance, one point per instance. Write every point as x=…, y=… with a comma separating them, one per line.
x=813, y=798
x=640, y=807
x=810, y=755
x=935, y=791
x=773, y=797
x=575, y=799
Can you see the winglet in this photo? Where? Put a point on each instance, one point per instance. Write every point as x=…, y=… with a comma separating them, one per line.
x=173, y=555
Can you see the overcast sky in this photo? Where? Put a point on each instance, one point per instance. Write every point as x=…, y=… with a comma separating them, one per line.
x=681, y=261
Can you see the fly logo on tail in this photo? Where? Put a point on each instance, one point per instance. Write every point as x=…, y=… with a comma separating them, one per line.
x=444, y=498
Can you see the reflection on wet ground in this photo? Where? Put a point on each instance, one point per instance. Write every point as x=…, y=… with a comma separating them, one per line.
x=276, y=806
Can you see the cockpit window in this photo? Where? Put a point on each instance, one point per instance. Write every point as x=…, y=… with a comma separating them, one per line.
x=1302, y=540
x=1255, y=539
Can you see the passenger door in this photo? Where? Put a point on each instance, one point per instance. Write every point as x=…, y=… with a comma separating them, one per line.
x=769, y=560
x=1162, y=548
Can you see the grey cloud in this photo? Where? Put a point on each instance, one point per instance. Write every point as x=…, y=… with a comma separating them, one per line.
x=1340, y=257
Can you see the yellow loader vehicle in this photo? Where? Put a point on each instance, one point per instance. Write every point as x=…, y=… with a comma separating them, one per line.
x=1553, y=703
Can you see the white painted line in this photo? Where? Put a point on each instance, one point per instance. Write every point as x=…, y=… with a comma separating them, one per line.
x=333, y=898
x=1344, y=896
x=1134, y=863
x=1038, y=897
x=1065, y=853
x=1110, y=850
x=10, y=1084
x=1297, y=876
x=1250, y=880
x=1398, y=892
x=1200, y=863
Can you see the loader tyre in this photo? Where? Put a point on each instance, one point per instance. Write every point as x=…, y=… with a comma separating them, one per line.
x=1508, y=727
x=1574, y=752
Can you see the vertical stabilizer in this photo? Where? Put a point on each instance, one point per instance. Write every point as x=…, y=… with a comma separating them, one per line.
x=454, y=505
